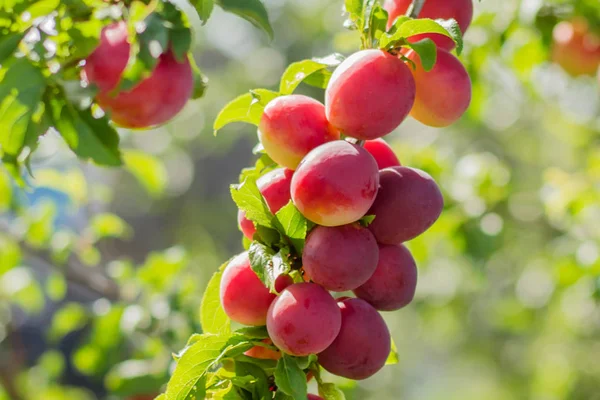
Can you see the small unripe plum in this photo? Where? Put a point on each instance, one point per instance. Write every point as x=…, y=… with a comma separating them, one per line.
x=444, y=93
x=363, y=344
x=407, y=204
x=283, y=281
x=293, y=125
x=460, y=10
x=244, y=297
x=275, y=188
x=394, y=282
x=369, y=94
x=340, y=258
x=263, y=353
x=575, y=48
x=382, y=153
x=304, y=319
x=153, y=101
x=335, y=184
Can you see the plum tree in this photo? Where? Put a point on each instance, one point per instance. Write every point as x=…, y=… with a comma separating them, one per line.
x=263, y=353
x=293, y=125
x=335, y=184
x=407, y=204
x=275, y=188
x=460, y=10
x=153, y=101
x=304, y=319
x=369, y=94
x=244, y=297
x=340, y=258
x=444, y=93
x=575, y=48
x=363, y=344
x=394, y=282
x=382, y=153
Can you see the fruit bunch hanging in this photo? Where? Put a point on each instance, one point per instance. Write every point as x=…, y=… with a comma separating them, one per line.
x=327, y=210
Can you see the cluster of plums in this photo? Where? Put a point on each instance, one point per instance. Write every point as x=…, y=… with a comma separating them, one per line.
x=156, y=99
x=335, y=183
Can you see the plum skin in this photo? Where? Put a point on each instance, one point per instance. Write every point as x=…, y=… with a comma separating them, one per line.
x=335, y=184
x=382, y=153
x=245, y=299
x=443, y=93
x=394, y=282
x=363, y=344
x=291, y=126
x=340, y=258
x=408, y=203
x=369, y=94
x=304, y=319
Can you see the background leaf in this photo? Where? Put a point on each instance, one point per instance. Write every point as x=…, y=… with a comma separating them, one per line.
x=290, y=378
x=251, y=10
x=212, y=316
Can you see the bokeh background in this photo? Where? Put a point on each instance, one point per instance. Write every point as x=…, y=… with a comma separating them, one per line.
x=102, y=270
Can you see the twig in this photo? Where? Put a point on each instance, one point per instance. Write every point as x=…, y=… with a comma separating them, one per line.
x=415, y=8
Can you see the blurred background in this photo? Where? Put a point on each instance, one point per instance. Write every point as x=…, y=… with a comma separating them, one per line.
x=102, y=271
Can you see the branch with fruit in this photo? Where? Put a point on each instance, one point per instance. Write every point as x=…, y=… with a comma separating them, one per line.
x=327, y=208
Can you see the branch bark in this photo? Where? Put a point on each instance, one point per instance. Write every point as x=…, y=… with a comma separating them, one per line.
x=415, y=8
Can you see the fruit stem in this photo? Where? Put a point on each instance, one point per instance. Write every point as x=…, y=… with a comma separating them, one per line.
x=415, y=8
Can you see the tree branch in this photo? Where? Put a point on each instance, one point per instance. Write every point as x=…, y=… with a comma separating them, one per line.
x=415, y=8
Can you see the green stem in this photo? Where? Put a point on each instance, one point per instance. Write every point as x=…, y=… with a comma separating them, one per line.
x=415, y=8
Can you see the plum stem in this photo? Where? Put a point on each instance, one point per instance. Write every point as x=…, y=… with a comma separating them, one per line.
x=415, y=8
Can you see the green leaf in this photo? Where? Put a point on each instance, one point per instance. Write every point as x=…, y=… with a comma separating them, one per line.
x=451, y=26
x=244, y=108
x=42, y=7
x=204, y=8
x=355, y=10
x=290, y=378
x=268, y=264
x=109, y=225
x=248, y=198
x=427, y=51
x=150, y=171
x=300, y=71
x=393, y=357
x=212, y=316
x=254, y=332
x=147, y=46
x=20, y=96
x=195, y=361
x=200, y=80
x=329, y=391
x=366, y=220
x=70, y=317
x=291, y=223
x=251, y=10
x=88, y=137
x=56, y=287
x=260, y=387
x=377, y=24
x=405, y=28
x=9, y=44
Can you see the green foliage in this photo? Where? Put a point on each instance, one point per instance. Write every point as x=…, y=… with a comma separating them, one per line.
x=290, y=378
